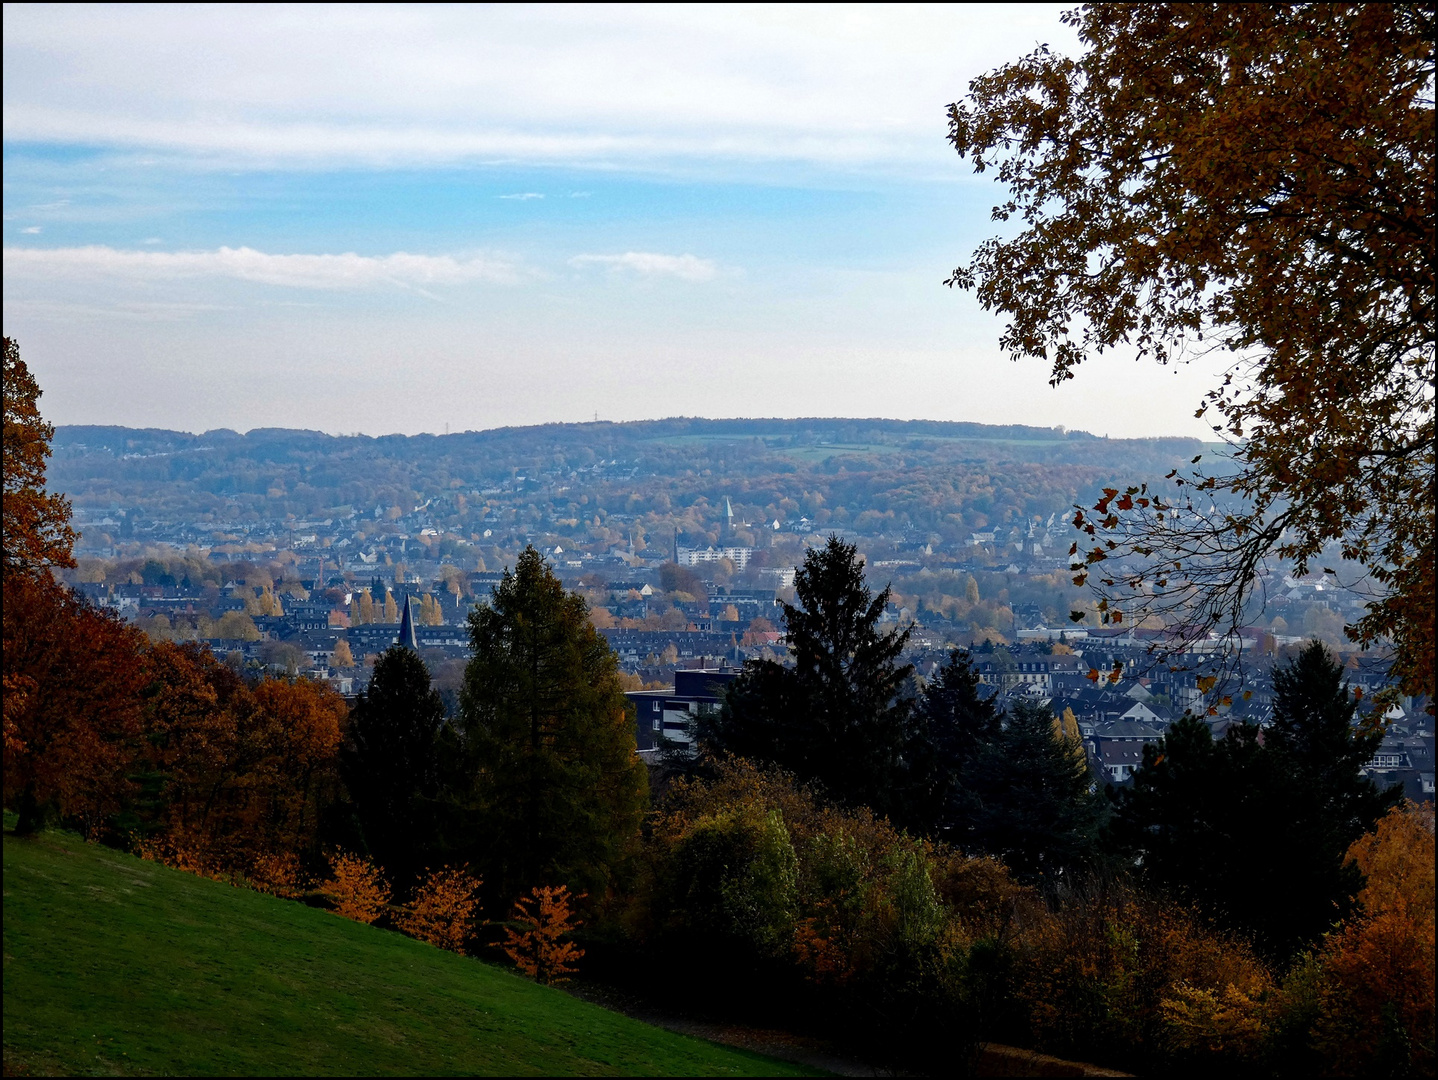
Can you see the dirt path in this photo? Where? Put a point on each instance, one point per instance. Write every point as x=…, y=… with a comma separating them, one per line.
x=994, y=1059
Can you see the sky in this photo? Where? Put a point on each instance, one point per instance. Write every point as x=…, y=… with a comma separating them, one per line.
x=399, y=219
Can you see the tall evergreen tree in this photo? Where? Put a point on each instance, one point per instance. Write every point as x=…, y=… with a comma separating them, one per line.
x=390, y=762
x=1254, y=827
x=554, y=784
x=1032, y=799
x=956, y=719
x=838, y=715
x=1318, y=753
x=1198, y=816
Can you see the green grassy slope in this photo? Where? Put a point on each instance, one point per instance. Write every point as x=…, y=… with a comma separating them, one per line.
x=117, y=965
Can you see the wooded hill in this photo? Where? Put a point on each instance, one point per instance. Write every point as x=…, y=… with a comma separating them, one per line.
x=869, y=476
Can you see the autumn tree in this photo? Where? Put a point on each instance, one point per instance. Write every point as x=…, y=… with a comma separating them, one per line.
x=37, y=532
x=837, y=716
x=1376, y=991
x=1255, y=182
x=342, y=657
x=542, y=918
x=444, y=908
x=356, y=888
x=554, y=784
x=390, y=761
x=71, y=704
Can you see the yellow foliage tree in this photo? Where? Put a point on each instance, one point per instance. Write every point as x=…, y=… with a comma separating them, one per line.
x=357, y=890
x=1377, y=999
x=544, y=918
x=443, y=909
x=342, y=657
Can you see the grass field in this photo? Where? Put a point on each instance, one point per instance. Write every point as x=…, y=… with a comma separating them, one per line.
x=114, y=965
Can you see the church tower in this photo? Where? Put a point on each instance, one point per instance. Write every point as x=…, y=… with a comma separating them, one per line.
x=406, y=628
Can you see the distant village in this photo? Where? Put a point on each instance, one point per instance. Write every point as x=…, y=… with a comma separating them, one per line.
x=683, y=620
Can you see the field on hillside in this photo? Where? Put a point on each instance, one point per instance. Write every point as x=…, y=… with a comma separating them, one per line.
x=114, y=965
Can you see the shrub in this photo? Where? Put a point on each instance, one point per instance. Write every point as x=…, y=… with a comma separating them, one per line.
x=357, y=891
x=1138, y=979
x=544, y=917
x=443, y=909
x=731, y=883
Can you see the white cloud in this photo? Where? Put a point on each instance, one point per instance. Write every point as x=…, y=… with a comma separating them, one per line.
x=31, y=230
x=401, y=84
x=652, y=264
x=346, y=271
x=523, y=196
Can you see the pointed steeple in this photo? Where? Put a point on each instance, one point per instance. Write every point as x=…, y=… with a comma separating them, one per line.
x=406, y=628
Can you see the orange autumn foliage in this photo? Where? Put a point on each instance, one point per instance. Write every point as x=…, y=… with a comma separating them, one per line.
x=71, y=707
x=243, y=769
x=1377, y=997
x=536, y=949
x=357, y=890
x=443, y=910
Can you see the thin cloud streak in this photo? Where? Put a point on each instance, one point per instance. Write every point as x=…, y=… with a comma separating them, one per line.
x=652, y=264
x=344, y=271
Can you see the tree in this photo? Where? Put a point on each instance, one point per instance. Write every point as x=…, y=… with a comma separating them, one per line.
x=674, y=578
x=957, y=720
x=1319, y=754
x=444, y=907
x=358, y=889
x=1255, y=829
x=555, y=785
x=1254, y=180
x=1031, y=799
x=1376, y=991
x=37, y=532
x=71, y=704
x=390, y=762
x=536, y=950
x=837, y=716
x=343, y=656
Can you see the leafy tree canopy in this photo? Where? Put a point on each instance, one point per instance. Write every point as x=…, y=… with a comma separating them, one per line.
x=36, y=524
x=1256, y=180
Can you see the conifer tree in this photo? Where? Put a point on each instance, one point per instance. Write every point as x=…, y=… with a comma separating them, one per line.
x=390, y=762
x=1254, y=829
x=1318, y=753
x=1032, y=800
x=554, y=787
x=837, y=716
x=957, y=720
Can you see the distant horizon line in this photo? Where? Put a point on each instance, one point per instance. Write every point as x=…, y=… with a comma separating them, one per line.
x=598, y=422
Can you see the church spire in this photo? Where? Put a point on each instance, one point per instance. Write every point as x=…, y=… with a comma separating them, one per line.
x=406, y=628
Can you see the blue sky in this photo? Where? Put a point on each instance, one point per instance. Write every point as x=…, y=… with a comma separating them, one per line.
x=400, y=219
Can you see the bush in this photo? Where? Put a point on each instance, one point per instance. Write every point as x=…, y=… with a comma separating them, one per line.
x=357, y=891
x=444, y=908
x=1139, y=980
x=543, y=918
